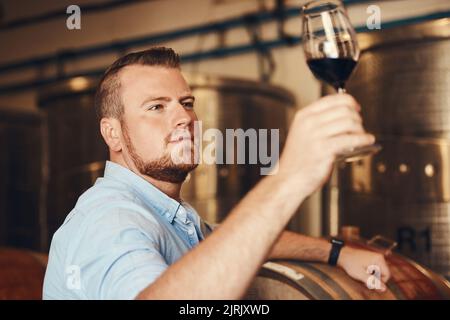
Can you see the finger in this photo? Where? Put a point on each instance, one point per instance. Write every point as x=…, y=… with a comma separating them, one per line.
x=381, y=287
x=340, y=126
x=344, y=142
x=331, y=101
x=385, y=272
x=373, y=281
x=341, y=111
x=385, y=276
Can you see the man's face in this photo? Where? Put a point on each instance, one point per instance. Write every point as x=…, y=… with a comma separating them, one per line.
x=158, y=121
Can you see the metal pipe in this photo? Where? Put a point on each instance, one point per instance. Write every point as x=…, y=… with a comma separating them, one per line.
x=242, y=21
x=64, y=55
x=211, y=54
x=61, y=13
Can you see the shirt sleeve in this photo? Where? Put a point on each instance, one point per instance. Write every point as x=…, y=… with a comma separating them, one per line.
x=121, y=256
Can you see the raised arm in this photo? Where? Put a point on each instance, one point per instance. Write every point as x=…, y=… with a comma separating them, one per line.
x=223, y=265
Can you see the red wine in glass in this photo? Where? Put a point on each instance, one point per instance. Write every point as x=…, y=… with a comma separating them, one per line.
x=334, y=71
x=331, y=50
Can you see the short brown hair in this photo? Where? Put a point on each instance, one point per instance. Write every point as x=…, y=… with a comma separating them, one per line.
x=108, y=102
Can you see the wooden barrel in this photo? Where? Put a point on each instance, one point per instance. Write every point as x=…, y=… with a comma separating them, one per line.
x=21, y=274
x=294, y=280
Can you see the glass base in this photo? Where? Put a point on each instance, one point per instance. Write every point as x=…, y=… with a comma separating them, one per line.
x=358, y=153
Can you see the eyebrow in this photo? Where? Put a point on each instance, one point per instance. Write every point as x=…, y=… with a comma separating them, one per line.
x=167, y=99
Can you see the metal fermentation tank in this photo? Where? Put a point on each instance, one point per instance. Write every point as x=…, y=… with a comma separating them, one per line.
x=403, y=85
x=22, y=220
x=227, y=103
x=73, y=149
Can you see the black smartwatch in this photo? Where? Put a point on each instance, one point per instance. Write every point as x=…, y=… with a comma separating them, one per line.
x=336, y=246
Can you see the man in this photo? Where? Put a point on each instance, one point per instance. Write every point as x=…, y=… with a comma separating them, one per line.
x=132, y=236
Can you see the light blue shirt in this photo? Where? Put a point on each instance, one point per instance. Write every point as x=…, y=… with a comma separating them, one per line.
x=122, y=234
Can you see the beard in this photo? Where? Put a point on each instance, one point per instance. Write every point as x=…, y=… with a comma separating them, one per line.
x=164, y=168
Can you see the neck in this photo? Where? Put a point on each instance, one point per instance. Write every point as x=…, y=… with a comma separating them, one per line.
x=169, y=188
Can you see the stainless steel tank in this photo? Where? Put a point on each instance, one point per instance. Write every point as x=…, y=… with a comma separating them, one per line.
x=232, y=103
x=20, y=179
x=402, y=82
x=76, y=151
x=4, y=181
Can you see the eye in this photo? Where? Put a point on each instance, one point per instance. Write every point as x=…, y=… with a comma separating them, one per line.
x=155, y=107
x=189, y=105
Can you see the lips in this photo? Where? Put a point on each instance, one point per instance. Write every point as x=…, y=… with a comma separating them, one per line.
x=181, y=136
x=181, y=139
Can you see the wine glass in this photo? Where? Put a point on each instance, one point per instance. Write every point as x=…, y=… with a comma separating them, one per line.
x=331, y=50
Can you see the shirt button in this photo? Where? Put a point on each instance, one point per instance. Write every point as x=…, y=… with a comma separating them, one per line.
x=191, y=232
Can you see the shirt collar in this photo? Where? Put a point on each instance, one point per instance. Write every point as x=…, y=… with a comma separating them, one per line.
x=152, y=196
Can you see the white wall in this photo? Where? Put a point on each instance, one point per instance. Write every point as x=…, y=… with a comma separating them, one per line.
x=151, y=17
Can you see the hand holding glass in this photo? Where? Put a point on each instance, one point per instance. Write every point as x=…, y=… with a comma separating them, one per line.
x=331, y=50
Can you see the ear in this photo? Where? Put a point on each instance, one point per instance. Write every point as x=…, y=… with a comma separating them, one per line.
x=111, y=131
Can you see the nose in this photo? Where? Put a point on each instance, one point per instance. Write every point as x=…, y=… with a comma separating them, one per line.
x=182, y=118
